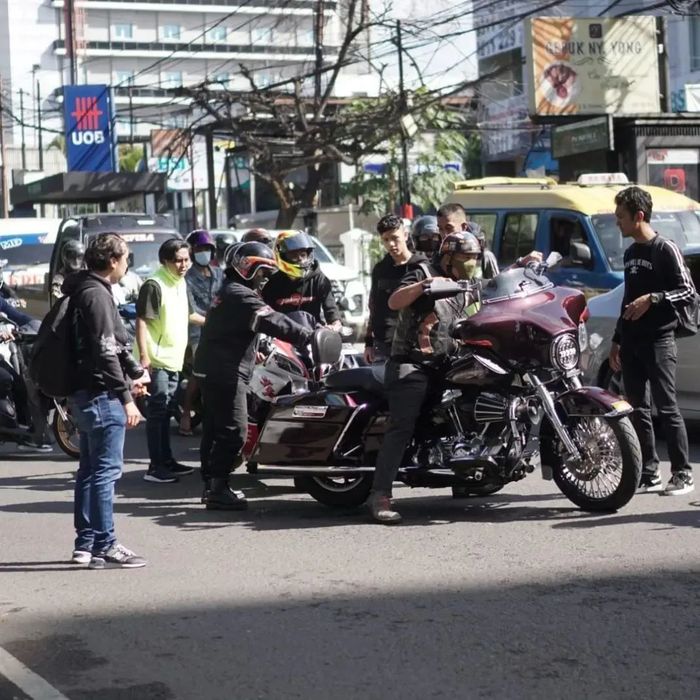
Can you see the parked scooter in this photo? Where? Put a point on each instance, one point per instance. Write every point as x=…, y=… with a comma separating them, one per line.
x=509, y=398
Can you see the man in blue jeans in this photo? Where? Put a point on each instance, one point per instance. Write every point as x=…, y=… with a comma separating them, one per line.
x=102, y=405
x=163, y=313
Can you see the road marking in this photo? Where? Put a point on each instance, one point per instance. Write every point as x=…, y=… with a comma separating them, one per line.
x=25, y=679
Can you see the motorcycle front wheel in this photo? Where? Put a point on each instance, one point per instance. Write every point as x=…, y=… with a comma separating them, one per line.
x=65, y=431
x=337, y=491
x=606, y=477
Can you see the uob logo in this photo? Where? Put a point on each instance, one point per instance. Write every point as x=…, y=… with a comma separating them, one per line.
x=87, y=121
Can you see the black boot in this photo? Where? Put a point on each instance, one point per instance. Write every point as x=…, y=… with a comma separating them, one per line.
x=220, y=496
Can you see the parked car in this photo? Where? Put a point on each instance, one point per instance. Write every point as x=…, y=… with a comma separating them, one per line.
x=349, y=292
x=604, y=311
x=575, y=219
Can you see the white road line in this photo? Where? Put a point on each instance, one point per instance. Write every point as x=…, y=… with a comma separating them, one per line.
x=25, y=679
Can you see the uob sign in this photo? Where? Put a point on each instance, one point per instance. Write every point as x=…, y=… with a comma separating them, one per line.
x=87, y=113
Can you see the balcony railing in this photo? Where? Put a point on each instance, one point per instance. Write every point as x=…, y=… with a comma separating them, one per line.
x=194, y=48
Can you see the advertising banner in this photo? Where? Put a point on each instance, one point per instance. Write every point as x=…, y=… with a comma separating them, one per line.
x=87, y=115
x=593, y=66
x=581, y=137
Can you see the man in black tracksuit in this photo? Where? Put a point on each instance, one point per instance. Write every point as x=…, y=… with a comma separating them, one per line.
x=224, y=364
x=299, y=284
x=386, y=277
x=644, y=347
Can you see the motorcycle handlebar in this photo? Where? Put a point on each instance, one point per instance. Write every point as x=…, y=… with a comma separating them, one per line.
x=444, y=288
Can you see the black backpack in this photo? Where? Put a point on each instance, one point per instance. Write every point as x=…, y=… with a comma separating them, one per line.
x=52, y=364
x=687, y=314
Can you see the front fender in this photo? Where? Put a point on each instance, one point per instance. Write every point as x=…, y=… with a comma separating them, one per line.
x=592, y=401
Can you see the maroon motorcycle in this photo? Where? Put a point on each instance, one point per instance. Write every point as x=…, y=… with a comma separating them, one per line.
x=508, y=400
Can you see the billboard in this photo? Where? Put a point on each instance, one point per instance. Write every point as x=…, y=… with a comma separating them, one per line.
x=593, y=66
x=88, y=119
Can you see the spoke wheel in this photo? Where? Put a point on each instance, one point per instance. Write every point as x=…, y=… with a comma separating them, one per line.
x=337, y=491
x=608, y=472
x=66, y=433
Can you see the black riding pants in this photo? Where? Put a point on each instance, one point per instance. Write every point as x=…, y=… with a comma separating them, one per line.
x=653, y=365
x=224, y=428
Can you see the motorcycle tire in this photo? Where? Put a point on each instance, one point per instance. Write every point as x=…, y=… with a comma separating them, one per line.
x=337, y=492
x=631, y=471
x=66, y=434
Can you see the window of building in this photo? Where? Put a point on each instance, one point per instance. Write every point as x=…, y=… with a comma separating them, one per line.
x=170, y=32
x=124, y=78
x=518, y=237
x=216, y=35
x=172, y=79
x=262, y=35
x=122, y=31
x=694, y=29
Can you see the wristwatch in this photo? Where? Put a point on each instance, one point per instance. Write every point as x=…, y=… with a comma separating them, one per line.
x=657, y=297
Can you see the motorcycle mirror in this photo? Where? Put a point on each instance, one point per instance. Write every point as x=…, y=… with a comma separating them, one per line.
x=326, y=346
x=553, y=259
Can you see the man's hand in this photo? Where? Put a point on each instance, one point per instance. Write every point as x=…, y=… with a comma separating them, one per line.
x=370, y=354
x=614, y=358
x=336, y=326
x=133, y=415
x=139, y=390
x=145, y=361
x=637, y=308
x=6, y=336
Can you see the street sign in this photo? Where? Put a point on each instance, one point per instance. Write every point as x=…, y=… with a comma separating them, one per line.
x=87, y=113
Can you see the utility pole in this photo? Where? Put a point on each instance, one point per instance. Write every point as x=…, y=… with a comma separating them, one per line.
x=404, y=180
x=40, y=131
x=21, y=126
x=318, y=43
x=3, y=156
x=70, y=40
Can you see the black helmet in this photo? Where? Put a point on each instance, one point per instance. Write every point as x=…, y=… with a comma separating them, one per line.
x=426, y=234
x=247, y=258
x=259, y=235
x=222, y=241
x=72, y=255
x=461, y=242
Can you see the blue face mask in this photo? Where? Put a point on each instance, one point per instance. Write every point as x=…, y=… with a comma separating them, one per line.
x=203, y=257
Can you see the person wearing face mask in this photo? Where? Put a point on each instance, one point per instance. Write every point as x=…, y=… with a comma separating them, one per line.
x=203, y=282
x=224, y=364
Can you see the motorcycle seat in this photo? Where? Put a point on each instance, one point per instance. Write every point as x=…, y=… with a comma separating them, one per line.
x=370, y=379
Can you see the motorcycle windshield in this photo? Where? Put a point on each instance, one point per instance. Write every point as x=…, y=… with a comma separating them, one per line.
x=516, y=283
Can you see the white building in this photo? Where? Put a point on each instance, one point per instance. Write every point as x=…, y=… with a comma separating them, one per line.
x=143, y=48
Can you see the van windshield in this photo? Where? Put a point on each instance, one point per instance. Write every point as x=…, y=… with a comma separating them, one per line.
x=143, y=251
x=25, y=249
x=681, y=227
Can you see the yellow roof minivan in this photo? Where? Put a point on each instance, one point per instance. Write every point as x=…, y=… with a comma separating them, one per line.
x=575, y=219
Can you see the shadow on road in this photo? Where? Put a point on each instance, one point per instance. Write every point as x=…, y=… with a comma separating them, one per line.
x=589, y=637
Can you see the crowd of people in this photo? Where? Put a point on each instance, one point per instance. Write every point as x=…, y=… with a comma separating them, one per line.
x=209, y=305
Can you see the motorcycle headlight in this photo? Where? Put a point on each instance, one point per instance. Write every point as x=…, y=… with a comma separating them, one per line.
x=564, y=352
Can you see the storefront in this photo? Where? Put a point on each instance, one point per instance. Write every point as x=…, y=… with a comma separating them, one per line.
x=661, y=150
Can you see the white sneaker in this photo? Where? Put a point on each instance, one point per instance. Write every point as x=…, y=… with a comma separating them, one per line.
x=80, y=556
x=681, y=483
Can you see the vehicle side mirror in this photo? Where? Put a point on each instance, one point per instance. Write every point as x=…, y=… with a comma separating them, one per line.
x=326, y=347
x=580, y=254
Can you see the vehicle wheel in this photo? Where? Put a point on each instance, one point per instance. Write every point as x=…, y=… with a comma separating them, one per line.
x=611, y=465
x=337, y=491
x=65, y=432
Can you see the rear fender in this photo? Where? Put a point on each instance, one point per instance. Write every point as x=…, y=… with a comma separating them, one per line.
x=592, y=401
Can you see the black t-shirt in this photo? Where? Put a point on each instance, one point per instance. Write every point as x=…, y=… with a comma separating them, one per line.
x=386, y=279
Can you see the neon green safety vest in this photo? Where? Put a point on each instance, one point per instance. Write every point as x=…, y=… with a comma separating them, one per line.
x=167, y=334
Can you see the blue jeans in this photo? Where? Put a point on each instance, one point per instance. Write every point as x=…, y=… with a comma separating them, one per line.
x=101, y=422
x=162, y=389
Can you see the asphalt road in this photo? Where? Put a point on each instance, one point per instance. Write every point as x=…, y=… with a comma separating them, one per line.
x=519, y=595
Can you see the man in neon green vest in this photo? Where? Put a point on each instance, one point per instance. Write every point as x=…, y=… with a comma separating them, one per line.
x=163, y=315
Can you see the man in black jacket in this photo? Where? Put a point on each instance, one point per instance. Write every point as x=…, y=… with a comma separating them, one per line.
x=299, y=284
x=102, y=405
x=386, y=277
x=224, y=364
x=644, y=347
